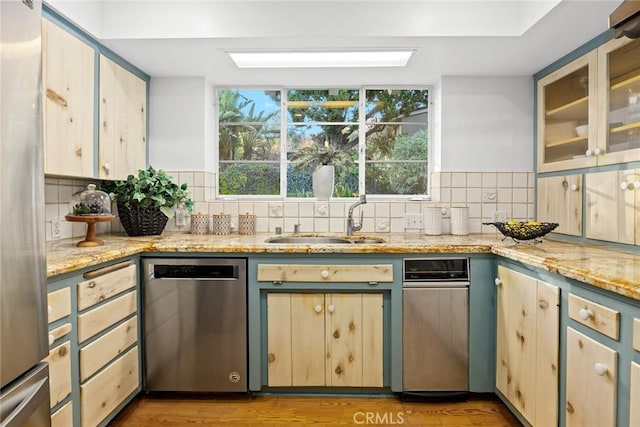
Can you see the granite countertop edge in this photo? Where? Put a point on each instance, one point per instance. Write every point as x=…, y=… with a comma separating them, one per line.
x=609, y=268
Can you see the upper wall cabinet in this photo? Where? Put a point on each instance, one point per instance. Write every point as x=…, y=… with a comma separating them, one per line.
x=68, y=79
x=589, y=110
x=566, y=108
x=123, y=123
x=619, y=101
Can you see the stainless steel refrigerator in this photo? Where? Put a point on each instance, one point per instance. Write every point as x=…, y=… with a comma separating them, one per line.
x=24, y=383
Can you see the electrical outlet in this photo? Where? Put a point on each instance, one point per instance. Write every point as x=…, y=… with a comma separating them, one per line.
x=499, y=216
x=55, y=228
x=413, y=221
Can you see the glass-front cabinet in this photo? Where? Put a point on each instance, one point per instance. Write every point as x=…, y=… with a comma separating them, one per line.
x=588, y=111
x=619, y=101
x=566, y=111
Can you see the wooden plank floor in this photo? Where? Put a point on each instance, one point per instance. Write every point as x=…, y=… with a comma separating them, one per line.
x=151, y=411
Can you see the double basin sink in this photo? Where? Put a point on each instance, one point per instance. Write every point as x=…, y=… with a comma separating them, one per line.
x=323, y=240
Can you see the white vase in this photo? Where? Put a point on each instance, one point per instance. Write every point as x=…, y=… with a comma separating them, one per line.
x=323, y=181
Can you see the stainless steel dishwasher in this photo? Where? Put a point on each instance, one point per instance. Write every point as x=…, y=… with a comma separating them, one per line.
x=195, y=324
x=435, y=327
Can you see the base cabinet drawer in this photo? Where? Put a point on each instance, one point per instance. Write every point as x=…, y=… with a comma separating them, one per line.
x=59, y=360
x=98, y=319
x=634, y=395
x=103, y=393
x=591, y=382
x=63, y=417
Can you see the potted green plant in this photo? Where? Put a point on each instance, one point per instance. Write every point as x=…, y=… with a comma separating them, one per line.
x=322, y=159
x=146, y=201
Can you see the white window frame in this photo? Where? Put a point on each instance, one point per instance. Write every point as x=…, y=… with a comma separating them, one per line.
x=361, y=141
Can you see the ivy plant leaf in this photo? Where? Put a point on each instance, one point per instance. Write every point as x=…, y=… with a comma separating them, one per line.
x=167, y=211
x=160, y=201
x=137, y=196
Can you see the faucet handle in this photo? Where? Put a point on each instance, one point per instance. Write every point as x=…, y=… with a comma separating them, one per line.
x=363, y=198
x=361, y=218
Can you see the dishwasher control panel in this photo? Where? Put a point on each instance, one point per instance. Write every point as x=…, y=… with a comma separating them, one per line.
x=427, y=270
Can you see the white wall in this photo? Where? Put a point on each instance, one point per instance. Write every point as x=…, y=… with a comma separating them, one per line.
x=479, y=124
x=485, y=123
x=180, y=124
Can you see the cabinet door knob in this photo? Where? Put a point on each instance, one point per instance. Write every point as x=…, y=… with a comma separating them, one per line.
x=107, y=168
x=49, y=309
x=626, y=186
x=331, y=308
x=324, y=274
x=585, y=313
x=498, y=281
x=597, y=151
x=636, y=185
x=588, y=153
x=51, y=339
x=574, y=187
x=318, y=308
x=601, y=368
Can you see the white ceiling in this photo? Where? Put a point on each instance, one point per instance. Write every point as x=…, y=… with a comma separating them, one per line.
x=450, y=37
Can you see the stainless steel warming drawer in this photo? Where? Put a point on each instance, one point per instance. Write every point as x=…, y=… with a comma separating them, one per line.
x=435, y=326
x=195, y=327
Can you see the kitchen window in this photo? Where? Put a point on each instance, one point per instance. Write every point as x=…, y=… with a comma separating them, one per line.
x=383, y=131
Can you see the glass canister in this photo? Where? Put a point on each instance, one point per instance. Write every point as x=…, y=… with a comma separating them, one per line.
x=90, y=202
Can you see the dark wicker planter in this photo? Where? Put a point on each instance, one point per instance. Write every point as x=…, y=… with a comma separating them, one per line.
x=142, y=221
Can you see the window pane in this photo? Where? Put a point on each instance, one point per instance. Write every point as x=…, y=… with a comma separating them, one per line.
x=396, y=178
x=386, y=105
x=255, y=106
x=249, y=142
x=397, y=160
x=325, y=105
x=251, y=178
x=343, y=136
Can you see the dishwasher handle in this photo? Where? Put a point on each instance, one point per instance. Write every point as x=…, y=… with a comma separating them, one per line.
x=212, y=272
x=435, y=285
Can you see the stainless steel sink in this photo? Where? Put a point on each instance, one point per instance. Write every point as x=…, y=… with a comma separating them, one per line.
x=311, y=240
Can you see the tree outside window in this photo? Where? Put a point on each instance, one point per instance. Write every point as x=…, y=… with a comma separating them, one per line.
x=388, y=126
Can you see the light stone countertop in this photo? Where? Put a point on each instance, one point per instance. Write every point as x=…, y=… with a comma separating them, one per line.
x=605, y=267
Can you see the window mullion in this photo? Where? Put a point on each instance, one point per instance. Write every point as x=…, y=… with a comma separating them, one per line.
x=283, y=144
x=362, y=136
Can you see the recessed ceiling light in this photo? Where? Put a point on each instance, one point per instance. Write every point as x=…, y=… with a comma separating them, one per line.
x=321, y=59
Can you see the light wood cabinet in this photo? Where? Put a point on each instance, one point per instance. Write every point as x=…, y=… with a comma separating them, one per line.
x=68, y=78
x=98, y=319
x=333, y=339
x=613, y=206
x=63, y=417
x=527, y=342
x=59, y=360
x=123, y=121
x=100, y=287
x=58, y=304
x=589, y=110
x=596, y=316
x=105, y=391
x=591, y=382
x=636, y=334
x=634, y=395
x=560, y=200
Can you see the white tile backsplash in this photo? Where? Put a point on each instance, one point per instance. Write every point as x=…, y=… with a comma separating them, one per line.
x=514, y=194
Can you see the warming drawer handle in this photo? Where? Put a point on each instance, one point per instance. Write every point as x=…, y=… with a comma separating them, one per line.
x=104, y=270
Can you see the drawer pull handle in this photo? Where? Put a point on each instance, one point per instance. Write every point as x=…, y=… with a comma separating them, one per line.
x=325, y=274
x=104, y=270
x=585, y=313
x=498, y=281
x=318, y=308
x=601, y=368
x=52, y=338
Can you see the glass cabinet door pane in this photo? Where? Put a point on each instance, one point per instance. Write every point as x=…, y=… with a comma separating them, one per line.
x=624, y=98
x=566, y=116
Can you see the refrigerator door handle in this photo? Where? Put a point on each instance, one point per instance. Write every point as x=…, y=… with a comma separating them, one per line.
x=38, y=392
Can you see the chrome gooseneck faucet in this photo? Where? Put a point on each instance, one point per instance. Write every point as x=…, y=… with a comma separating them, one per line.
x=351, y=225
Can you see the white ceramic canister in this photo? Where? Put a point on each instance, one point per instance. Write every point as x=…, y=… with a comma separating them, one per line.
x=246, y=223
x=221, y=224
x=432, y=219
x=460, y=221
x=199, y=223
